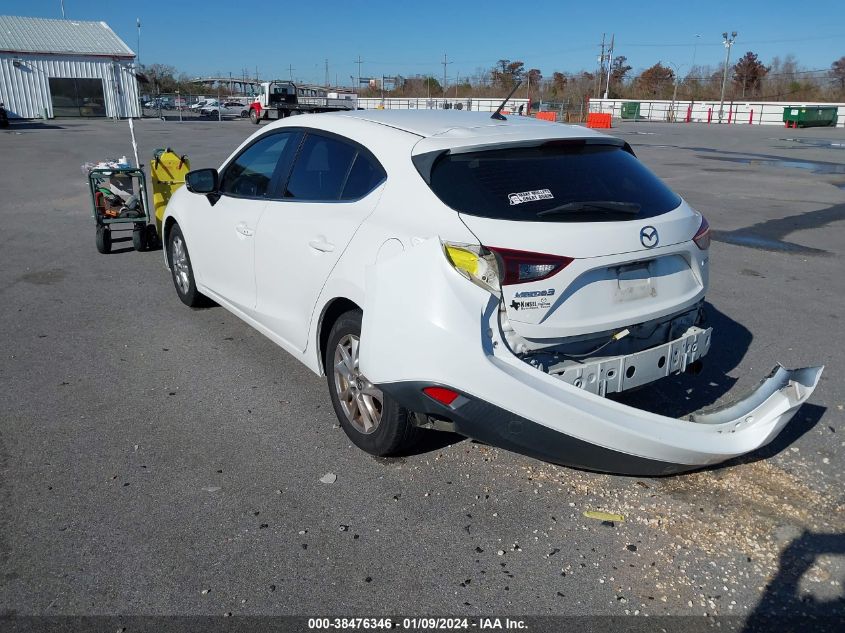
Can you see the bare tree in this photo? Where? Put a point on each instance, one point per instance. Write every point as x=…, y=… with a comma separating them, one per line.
x=837, y=72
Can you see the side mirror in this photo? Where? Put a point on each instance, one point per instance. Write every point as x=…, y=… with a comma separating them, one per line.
x=202, y=181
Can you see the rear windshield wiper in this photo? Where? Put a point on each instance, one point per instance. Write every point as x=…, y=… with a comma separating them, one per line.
x=592, y=205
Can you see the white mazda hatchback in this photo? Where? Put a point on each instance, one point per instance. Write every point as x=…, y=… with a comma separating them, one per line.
x=493, y=277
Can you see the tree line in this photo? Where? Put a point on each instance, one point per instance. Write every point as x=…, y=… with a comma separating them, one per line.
x=748, y=78
x=783, y=79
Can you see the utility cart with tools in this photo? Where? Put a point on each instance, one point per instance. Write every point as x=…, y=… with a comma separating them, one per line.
x=119, y=198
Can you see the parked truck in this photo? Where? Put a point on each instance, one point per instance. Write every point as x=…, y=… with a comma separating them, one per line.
x=280, y=99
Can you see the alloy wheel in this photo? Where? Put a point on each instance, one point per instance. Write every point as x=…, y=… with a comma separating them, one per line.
x=360, y=400
x=179, y=261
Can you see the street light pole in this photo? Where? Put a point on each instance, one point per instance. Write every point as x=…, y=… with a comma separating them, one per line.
x=728, y=42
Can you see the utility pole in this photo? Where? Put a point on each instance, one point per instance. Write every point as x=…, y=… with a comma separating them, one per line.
x=728, y=42
x=138, y=56
x=290, y=71
x=445, y=63
x=692, y=65
x=528, y=90
x=609, y=64
x=601, y=66
x=327, y=74
x=358, y=85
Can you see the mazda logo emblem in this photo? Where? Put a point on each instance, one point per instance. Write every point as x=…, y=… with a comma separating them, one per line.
x=649, y=237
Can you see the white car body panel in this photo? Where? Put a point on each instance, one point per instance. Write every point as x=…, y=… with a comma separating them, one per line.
x=224, y=249
x=297, y=246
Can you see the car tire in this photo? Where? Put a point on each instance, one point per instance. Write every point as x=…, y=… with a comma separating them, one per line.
x=139, y=238
x=370, y=418
x=253, y=116
x=181, y=270
x=153, y=243
x=103, y=239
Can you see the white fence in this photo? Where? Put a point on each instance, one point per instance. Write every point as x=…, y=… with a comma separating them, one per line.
x=733, y=112
x=423, y=103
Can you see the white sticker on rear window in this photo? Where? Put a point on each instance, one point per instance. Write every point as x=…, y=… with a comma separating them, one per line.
x=530, y=196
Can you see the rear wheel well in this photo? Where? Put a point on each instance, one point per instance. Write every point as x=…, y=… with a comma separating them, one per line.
x=331, y=313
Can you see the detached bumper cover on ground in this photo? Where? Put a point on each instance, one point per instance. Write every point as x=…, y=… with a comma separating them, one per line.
x=426, y=325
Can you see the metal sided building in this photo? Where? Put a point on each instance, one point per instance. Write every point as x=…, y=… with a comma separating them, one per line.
x=60, y=68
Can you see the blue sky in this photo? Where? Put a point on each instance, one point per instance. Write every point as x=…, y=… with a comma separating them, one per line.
x=396, y=37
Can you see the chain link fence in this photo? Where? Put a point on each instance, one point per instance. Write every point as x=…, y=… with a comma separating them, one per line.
x=204, y=105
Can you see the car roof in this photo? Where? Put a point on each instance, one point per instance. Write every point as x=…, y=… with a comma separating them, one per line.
x=431, y=131
x=427, y=123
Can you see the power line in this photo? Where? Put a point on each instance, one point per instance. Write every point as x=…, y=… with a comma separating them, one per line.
x=777, y=41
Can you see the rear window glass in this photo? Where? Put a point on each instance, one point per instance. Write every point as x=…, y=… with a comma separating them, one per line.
x=571, y=183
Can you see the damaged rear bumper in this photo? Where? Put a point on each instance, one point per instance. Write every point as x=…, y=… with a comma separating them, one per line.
x=773, y=403
x=446, y=334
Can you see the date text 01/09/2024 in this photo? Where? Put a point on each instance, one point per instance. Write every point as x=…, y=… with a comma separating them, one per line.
x=415, y=624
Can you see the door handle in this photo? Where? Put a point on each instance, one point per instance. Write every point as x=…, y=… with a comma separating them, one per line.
x=320, y=244
x=243, y=229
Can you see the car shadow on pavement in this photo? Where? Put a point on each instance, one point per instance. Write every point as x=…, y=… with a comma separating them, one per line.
x=786, y=605
x=15, y=124
x=770, y=235
x=677, y=396
x=431, y=441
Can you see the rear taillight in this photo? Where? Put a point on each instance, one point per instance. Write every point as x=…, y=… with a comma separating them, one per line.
x=493, y=267
x=474, y=262
x=702, y=236
x=519, y=267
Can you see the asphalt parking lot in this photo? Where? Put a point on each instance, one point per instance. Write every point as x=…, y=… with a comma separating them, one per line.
x=161, y=460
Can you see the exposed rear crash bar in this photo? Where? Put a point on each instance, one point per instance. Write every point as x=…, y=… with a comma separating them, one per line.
x=620, y=373
x=448, y=335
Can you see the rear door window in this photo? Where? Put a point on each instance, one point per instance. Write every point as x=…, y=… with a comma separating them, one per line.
x=569, y=182
x=321, y=169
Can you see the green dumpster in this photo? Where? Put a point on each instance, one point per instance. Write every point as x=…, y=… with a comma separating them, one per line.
x=813, y=116
x=631, y=110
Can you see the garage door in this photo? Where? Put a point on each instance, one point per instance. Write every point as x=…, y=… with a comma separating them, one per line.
x=77, y=97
